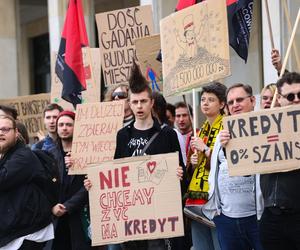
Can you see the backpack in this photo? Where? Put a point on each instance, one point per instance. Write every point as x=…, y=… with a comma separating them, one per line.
x=48, y=181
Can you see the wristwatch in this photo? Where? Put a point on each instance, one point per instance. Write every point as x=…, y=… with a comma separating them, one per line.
x=206, y=148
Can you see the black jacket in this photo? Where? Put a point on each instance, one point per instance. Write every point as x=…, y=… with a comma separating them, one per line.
x=24, y=208
x=281, y=190
x=74, y=197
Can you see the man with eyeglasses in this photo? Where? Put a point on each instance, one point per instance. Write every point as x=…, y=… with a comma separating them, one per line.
x=237, y=197
x=280, y=222
x=25, y=221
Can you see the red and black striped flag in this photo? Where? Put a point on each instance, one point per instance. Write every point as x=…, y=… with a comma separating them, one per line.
x=239, y=15
x=69, y=64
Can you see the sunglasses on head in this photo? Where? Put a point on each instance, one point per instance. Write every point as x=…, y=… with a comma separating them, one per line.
x=291, y=96
x=120, y=95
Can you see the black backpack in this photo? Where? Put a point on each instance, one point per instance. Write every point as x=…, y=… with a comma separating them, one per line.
x=48, y=181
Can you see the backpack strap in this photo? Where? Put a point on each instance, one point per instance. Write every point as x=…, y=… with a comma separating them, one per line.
x=152, y=139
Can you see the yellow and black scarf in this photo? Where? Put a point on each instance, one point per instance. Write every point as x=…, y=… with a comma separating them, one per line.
x=198, y=187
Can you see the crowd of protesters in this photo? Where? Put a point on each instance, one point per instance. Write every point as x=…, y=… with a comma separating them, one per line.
x=250, y=212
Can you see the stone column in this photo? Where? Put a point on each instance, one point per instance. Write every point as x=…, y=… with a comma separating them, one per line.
x=8, y=49
x=56, y=16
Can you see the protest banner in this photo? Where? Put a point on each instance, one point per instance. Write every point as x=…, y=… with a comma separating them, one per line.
x=147, y=49
x=30, y=111
x=135, y=198
x=93, y=81
x=195, y=47
x=94, y=139
x=117, y=30
x=265, y=141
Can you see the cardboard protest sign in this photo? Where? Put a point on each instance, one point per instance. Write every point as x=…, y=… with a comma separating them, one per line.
x=195, y=48
x=30, y=111
x=117, y=30
x=135, y=198
x=93, y=91
x=265, y=141
x=94, y=139
x=147, y=49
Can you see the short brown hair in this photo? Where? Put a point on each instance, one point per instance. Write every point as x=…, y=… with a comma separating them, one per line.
x=246, y=87
x=8, y=117
x=52, y=106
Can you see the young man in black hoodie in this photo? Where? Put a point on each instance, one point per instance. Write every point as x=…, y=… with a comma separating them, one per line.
x=133, y=138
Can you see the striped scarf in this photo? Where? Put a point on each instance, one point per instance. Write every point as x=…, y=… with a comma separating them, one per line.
x=198, y=187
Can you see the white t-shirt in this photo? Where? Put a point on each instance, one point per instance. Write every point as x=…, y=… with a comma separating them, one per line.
x=237, y=193
x=182, y=142
x=45, y=234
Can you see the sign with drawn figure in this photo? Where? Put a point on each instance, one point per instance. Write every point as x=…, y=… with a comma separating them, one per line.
x=30, y=111
x=264, y=141
x=95, y=131
x=147, y=49
x=93, y=81
x=135, y=198
x=117, y=30
x=195, y=47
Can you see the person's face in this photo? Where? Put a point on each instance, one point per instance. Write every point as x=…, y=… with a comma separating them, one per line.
x=121, y=93
x=141, y=105
x=289, y=95
x=210, y=104
x=8, y=135
x=170, y=118
x=182, y=120
x=65, y=127
x=266, y=99
x=239, y=101
x=50, y=120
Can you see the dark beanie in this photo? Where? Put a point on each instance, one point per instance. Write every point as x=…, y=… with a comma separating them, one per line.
x=66, y=113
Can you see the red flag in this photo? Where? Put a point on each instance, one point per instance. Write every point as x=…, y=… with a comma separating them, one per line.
x=184, y=4
x=69, y=64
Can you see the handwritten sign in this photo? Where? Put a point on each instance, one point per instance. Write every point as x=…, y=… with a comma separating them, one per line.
x=135, y=198
x=147, y=49
x=30, y=111
x=117, y=31
x=195, y=46
x=265, y=141
x=92, y=71
x=96, y=127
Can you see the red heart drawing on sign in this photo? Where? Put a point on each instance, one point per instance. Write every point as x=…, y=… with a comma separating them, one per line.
x=151, y=166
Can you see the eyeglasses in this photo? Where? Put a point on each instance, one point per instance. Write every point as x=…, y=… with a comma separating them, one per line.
x=291, y=96
x=5, y=130
x=238, y=100
x=120, y=95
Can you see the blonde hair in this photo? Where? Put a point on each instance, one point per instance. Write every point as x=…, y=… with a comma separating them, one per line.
x=271, y=87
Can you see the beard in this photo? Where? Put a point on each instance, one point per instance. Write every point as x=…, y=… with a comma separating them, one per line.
x=4, y=147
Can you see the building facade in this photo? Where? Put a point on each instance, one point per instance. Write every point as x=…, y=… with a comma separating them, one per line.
x=31, y=29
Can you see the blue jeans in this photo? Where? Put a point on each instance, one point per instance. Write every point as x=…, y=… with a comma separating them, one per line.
x=238, y=233
x=204, y=237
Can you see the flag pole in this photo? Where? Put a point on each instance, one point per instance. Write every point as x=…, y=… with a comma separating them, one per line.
x=287, y=55
x=91, y=67
x=269, y=24
x=290, y=29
